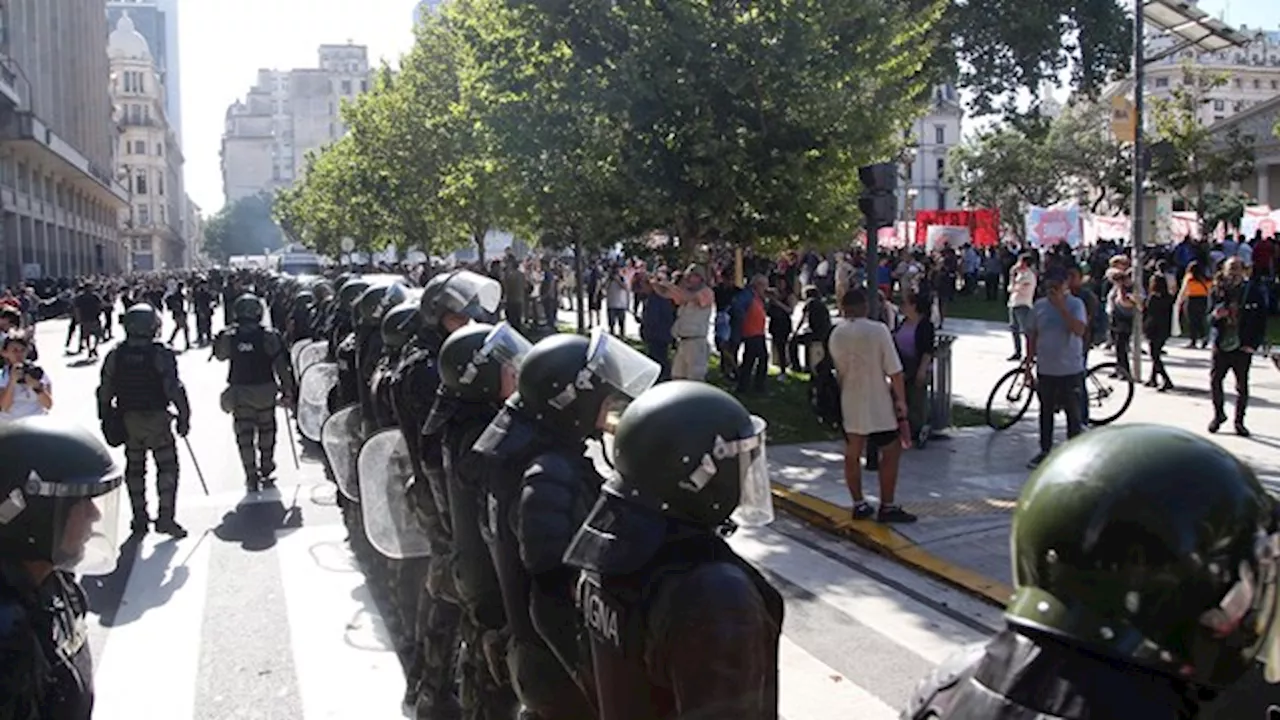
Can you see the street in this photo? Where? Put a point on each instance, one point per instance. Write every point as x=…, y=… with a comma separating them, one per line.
x=260, y=613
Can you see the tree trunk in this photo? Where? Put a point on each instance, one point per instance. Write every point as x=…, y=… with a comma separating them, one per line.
x=478, y=239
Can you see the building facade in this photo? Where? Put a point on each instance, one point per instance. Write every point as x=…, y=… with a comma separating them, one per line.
x=59, y=199
x=1252, y=73
x=922, y=179
x=157, y=21
x=286, y=115
x=149, y=158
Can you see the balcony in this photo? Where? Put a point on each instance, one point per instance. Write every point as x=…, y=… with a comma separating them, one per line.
x=9, y=82
x=24, y=127
x=126, y=121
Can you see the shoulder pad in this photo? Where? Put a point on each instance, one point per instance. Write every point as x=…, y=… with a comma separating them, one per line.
x=506, y=437
x=944, y=677
x=552, y=465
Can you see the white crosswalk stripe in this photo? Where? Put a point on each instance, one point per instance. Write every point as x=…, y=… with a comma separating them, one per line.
x=217, y=626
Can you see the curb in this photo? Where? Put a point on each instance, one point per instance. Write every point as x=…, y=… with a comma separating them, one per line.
x=886, y=541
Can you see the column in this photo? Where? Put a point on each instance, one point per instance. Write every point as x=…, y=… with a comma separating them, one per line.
x=1264, y=182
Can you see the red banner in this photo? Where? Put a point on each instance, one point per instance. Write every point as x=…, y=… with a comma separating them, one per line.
x=983, y=224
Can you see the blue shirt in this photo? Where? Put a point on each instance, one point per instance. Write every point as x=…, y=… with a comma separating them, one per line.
x=1059, y=352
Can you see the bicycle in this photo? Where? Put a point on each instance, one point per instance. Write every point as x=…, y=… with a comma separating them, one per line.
x=1103, y=382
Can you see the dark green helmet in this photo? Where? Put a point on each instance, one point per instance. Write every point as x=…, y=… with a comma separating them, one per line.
x=247, y=309
x=368, y=307
x=566, y=380
x=399, y=324
x=474, y=360
x=55, y=476
x=141, y=321
x=1152, y=546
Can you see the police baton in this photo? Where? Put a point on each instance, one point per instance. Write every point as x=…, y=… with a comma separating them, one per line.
x=293, y=447
x=196, y=463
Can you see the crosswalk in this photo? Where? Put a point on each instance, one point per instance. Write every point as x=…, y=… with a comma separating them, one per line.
x=263, y=615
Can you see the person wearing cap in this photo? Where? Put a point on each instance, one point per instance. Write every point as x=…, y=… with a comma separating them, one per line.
x=695, y=306
x=1056, y=327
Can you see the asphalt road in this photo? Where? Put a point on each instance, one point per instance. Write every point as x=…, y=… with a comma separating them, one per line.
x=261, y=614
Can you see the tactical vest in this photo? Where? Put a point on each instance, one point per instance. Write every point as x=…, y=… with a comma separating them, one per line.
x=474, y=574
x=345, y=391
x=250, y=364
x=615, y=613
x=383, y=412
x=139, y=386
x=1015, y=678
x=368, y=350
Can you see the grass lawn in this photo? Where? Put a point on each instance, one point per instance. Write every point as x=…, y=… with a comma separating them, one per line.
x=785, y=405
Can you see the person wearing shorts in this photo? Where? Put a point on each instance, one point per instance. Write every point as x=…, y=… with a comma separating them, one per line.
x=872, y=404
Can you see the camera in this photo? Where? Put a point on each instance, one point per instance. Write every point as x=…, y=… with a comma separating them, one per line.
x=32, y=371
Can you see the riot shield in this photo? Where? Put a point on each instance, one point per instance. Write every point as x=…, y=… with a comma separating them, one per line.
x=293, y=354
x=313, y=398
x=389, y=523
x=310, y=355
x=340, y=437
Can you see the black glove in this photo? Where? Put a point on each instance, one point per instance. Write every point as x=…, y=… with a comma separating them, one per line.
x=184, y=426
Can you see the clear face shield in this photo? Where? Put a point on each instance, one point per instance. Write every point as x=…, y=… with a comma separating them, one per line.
x=472, y=294
x=505, y=346
x=755, y=504
x=1259, y=598
x=617, y=364
x=85, y=528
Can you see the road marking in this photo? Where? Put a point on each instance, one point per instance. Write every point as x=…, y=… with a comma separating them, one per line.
x=914, y=626
x=809, y=688
x=152, y=654
x=345, y=665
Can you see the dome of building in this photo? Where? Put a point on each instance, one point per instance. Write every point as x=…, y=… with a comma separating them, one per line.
x=126, y=42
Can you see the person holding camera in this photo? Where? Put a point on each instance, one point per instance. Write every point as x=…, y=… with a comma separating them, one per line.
x=25, y=390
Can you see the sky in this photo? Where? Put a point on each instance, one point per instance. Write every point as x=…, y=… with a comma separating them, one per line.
x=223, y=43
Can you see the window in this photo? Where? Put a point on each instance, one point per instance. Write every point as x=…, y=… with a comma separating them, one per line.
x=942, y=169
x=1218, y=118
x=135, y=114
x=1162, y=82
x=1219, y=105
x=940, y=134
x=364, y=86
x=140, y=182
x=1239, y=84
x=942, y=199
x=49, y=193
x=146, y=113
x=24, y=180
x=330, y=108
x=144, y=215
x=160, y=149
x=160, y=184
x=909, y=168
x=162, y=215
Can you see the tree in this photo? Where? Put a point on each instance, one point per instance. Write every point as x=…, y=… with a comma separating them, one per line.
x=1020, y=164
x=243, y=227
x=1188, y=158
x=1003, y=47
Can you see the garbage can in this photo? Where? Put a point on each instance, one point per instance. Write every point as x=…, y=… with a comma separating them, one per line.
x=940, y=399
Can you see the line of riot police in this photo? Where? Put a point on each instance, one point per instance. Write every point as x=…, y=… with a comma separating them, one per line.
x=516, y=581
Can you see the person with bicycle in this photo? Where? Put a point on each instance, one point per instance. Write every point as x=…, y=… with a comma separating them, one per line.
x=1056, y=327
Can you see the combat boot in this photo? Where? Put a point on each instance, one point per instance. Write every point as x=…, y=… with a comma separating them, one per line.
x=165, y=523
x=252, y=481
x=141, y=520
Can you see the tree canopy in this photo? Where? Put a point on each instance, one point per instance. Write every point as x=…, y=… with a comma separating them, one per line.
x=243, y=227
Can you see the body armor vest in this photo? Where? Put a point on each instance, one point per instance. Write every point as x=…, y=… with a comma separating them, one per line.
x=615, y=612
x=139, y=386
x=380, y=395
x=250, y=364
x=474, y=574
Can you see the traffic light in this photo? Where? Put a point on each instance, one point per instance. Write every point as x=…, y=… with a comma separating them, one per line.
x=878, y=201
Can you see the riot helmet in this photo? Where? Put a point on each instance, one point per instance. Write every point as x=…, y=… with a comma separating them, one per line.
x=570, y=383
x=247, y=309
x=304, y=300
x=1151, y=546
x=141, y=321
x=369, y=307
x=351, y=290
x=684, y=452
x=59, y=495
x=323, y=291
x=463, y=293
x=399, y=323
x=481, y=362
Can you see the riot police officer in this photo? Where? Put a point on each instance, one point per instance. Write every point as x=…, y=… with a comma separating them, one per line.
x=259, y=372
x=449, y=301
x=342, y=343
x=541, y=488
x=1145, y=565
x=60, y=490
x=679, y=624
x=381, y=412
x=300, y=317
x=139, y=383
x=479, y=367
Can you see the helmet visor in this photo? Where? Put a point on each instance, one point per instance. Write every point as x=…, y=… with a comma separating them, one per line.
x=85, y=521
x=471, y=294
x=101, y=551
x=755, y=504
x=616, y=363
x=1265, y=604
x=504, y=344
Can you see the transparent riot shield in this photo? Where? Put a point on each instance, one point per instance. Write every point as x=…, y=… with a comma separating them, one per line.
x=313, y=398
x=310, y=355
x=294, y=350
x=389, y=523
x=340, y=437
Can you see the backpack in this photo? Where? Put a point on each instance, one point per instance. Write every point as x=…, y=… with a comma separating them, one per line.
x=1099, y=322
x=824, y=395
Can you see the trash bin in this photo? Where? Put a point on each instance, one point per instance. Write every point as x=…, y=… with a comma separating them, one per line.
x=940, y=398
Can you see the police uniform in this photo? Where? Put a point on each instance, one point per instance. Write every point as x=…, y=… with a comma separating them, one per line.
x=680, y=626
x=47, y=670
x=1145, y=570
x=139, y=383
x=259, y=370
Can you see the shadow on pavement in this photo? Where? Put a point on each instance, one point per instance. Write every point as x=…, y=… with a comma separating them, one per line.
x=152, y=574
x=257, y=519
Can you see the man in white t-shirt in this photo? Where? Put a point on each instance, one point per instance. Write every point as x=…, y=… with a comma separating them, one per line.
x=872, y=402
x=1022, y=295
x=25, y=389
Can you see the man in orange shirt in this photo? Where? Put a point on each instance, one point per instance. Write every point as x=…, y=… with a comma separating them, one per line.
x=755, y=351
